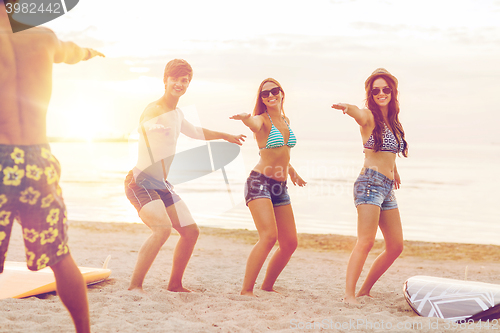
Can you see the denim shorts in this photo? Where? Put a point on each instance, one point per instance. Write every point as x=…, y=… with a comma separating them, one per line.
x=260, y=186
x=373, y=188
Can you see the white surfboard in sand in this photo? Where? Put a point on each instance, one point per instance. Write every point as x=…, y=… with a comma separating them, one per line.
x=17, y=281
x=452, y=299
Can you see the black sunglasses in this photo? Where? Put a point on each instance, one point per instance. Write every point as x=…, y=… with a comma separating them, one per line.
x=265, y=93
x=385, y=90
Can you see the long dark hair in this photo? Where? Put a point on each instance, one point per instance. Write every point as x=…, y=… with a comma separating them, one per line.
x=393, y=115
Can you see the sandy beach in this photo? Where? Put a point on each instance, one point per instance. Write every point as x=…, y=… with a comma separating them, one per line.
x=311, y=286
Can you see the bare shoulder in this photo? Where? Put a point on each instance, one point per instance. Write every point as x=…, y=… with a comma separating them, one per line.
x=43, y=30
x=43, y=41
x=369, y=120
x=264, y=119
x=367, y=113
x=263, y=124
x=261, y=116
x=41, y=34
x=35, y=36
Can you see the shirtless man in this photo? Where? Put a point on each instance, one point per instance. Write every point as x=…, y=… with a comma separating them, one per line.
x=29, y=173
x=146, y=185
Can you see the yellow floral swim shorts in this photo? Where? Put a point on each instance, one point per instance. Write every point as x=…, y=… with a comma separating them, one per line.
x=30, y=194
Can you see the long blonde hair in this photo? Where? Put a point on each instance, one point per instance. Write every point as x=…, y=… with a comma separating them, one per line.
x=260, y=107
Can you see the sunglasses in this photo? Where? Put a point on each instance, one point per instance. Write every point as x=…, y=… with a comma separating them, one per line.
x=385, y=90
x=265, y=93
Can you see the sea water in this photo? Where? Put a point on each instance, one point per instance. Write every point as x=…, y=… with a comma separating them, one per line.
x=447, y=192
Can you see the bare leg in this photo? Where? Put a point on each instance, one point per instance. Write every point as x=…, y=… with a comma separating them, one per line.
x=154, y=215
x=72, y=290
x=390, y=224
x=287, y=239
x=184, y=223
x=263, y=215
x=368, y=217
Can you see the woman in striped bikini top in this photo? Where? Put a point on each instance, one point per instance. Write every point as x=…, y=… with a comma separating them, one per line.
x=275, y=139
x=266, y=192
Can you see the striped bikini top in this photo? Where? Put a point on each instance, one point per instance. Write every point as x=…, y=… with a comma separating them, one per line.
x=389, y=142
x=275, y=138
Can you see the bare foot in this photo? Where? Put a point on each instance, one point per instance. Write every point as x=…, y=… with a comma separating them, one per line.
x=247, y=293
x=271, y=290
x=350, y=300
x=137, y=290
x=180, y=289
x=364, y=294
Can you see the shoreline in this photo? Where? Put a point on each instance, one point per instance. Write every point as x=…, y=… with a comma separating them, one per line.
x=330, y=242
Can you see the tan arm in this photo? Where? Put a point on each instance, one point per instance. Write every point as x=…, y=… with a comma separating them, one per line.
x=70, y=53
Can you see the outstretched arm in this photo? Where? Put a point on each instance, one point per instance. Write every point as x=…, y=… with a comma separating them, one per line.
x=70, y=53
x=200, y=133
x=294, y=176
x=213, y=135
x=254, y=123
x=362, y=116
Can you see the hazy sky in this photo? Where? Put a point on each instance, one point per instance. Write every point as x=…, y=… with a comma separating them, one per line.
x=445, y=54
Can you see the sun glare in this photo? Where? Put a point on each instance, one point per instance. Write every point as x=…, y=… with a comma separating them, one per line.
x=87, y=122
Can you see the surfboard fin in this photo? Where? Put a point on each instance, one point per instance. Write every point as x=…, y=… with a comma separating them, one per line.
x=105, y=265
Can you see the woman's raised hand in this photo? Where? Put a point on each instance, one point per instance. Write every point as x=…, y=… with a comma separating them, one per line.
x=241, y=116
x=340, y=106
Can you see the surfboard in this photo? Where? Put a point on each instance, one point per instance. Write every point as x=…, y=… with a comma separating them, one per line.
x=194, y=163
x=17, y=281
x=452, y=299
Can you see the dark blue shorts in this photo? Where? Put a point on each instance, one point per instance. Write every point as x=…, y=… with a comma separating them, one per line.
x=30, y=193
x=260, y=186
